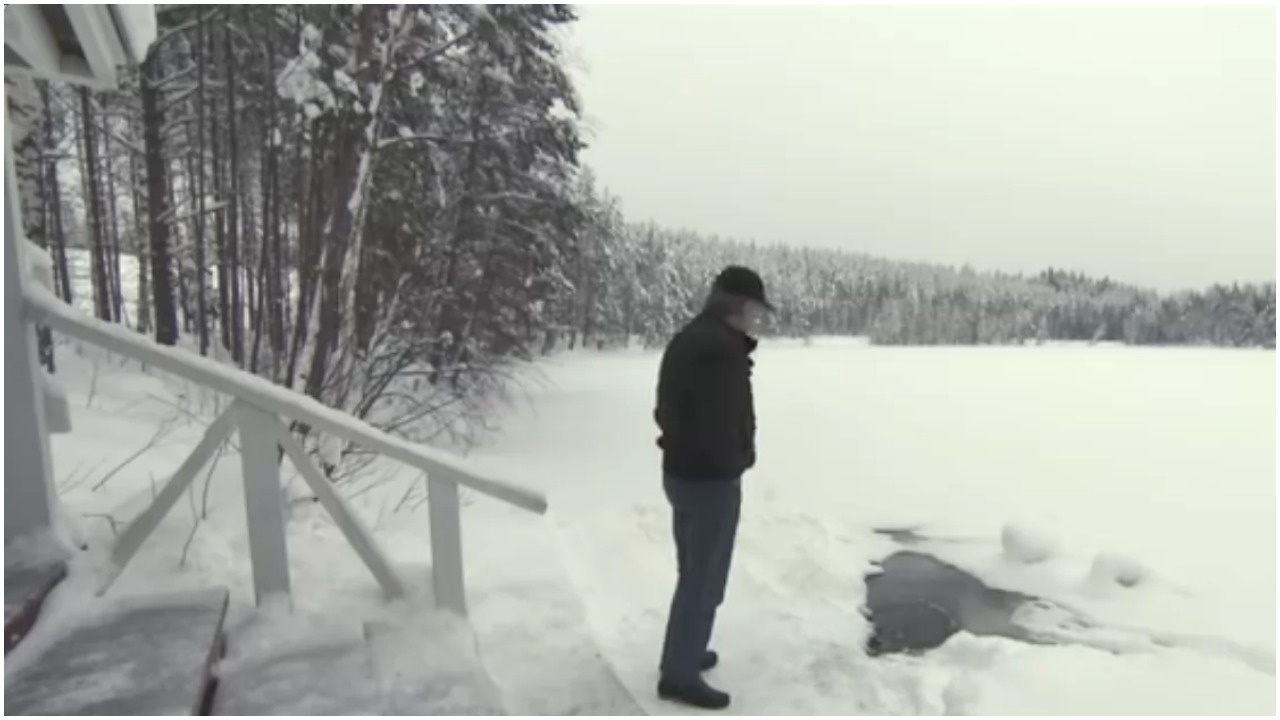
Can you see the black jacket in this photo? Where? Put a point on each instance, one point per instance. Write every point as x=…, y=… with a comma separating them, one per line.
x=705, y=410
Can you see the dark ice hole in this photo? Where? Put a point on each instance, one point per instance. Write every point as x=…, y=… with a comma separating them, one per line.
x=915, y=602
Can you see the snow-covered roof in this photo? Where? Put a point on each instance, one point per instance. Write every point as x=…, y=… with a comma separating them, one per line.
x=83, y=44
x=138, y=23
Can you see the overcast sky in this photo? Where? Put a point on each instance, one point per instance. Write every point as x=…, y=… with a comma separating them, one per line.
x=1132, y=141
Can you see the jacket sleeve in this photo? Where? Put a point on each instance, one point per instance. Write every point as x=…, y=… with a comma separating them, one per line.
x=716, y=401
x=750, y=439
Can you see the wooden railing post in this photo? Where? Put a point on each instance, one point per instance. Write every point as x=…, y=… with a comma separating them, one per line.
x=28, y=467
x=254, y=413
x=264, y=501
x=44, y=308
x=343, y=515
x=446, y=544
x=146, y=523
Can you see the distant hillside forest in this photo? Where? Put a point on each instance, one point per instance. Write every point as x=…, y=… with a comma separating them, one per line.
x=644, y=280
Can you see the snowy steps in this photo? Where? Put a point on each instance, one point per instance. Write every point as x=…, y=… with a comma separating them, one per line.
x=428, y=663
x=333, y=678
x=25, y=588
x=140, y=656
x=550, y=662
x=431, y=666
x=164, y=655
x=423, y=666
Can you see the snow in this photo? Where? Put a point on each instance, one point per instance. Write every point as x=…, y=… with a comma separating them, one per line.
x=1110, y=568
x=39, y=263
x=1165, y=457
x=300, y=80
x=139, y=24
x=1079, y=681
x=345, y=83
x=80, y=268
x=1102, y=464
x=1025, y=544
x=57, y=414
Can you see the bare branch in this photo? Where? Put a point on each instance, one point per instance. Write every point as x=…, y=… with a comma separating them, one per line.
x=209, y=208
x=190, y=415
x=195, y=525
x=177, y=122
x=75, y=479
x=170, y=79
x=111, y=521
x=164, y=429
x=178, y=98
x=180, y=29
x=208, y=478
x=93, y=385
x=421, y=137
x=430, y=52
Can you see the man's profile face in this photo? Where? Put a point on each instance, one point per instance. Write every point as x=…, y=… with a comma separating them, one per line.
x=752, y=314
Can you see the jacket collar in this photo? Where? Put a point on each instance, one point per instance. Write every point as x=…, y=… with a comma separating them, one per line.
x=749, y=342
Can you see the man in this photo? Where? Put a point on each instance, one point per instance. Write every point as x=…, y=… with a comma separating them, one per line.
x=707, y=420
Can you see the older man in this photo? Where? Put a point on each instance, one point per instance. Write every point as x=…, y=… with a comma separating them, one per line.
x=706, y=416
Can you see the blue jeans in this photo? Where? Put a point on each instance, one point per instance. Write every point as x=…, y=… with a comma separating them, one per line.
x=705, y=524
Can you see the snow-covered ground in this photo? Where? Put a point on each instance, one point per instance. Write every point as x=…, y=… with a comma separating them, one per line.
x=1166, y=457
x=1163, y=461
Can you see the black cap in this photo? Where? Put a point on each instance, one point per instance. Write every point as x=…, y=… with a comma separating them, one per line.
x=742, y=282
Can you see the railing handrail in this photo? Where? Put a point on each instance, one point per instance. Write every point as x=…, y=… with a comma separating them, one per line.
x=43, y=307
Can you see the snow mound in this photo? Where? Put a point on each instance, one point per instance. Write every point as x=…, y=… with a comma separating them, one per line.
x=1023, y=544
x=1113, y=569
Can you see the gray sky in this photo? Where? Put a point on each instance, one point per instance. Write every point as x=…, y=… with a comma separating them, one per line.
x=1132, y=141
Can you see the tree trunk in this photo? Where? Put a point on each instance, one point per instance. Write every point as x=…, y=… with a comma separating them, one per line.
x=354, y=163
x=113, y=249
x=308, y=249
x=267, y=319
x=93, y=214
x=59, y=239
x=140, y=248
x=33, y=193
x=166, y=314
x=250, y=257
x=271, y=232
x=178, y=256
x=220, y=221
x=202, y=294
x=233, y=201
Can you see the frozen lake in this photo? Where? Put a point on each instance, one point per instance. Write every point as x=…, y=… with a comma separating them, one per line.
x=1151, y=464
x=1161, y=460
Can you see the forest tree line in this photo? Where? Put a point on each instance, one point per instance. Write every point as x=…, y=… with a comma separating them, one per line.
x=384, y=207
x=642, y=280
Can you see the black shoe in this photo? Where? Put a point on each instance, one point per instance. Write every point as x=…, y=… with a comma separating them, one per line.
x=696, y=693
x=709, y=660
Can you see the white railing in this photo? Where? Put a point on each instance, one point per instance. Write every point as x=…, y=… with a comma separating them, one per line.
x=255, y=414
